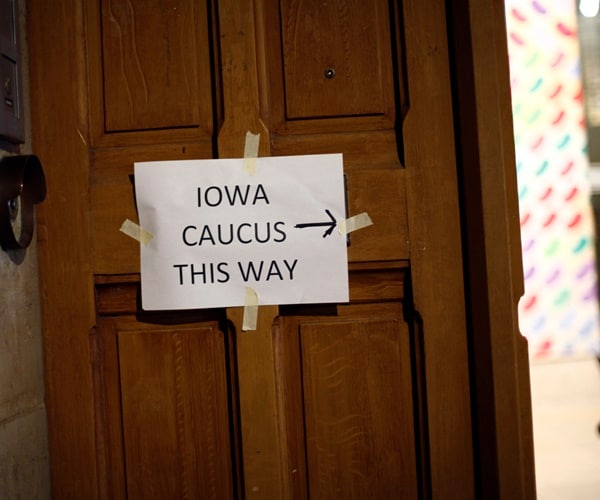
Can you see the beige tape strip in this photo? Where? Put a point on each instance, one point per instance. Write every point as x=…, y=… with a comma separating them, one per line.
x=251, y=152
x=355, y=223
x=250, y=310
x=138, y=233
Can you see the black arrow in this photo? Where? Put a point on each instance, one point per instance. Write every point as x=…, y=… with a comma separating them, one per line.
x=330, y=225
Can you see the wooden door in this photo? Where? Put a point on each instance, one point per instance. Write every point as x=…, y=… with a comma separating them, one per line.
x=370, y=399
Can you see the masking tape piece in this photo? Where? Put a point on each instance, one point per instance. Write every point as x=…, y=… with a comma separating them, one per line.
x=355, y=223
x=250, y=310
x=251, y=152
x=138, y=233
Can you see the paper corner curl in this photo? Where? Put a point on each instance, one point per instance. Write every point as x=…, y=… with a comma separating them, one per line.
x=136, y=232
x=250, y=310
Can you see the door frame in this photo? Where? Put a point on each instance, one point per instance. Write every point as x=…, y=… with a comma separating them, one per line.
x=500, y=383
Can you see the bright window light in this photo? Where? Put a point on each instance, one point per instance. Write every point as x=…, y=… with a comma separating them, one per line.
x=589, y=8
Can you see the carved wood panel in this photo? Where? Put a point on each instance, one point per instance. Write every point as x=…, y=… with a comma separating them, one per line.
x=155, y=57
x=336, y=57
x=330, y=66
x=346, y=393
x=165, y=410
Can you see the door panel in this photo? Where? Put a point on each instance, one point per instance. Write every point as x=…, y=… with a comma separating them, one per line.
x=346, y=392
x=156, y=65
x=151, y=78
x=175, y=413
x=161, y=389
x=297, y=42
x=333, y=57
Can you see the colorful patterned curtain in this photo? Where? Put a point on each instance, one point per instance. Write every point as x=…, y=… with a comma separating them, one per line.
x=559, y=311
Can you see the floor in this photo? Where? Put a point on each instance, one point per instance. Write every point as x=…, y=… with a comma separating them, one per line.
x=566, y=415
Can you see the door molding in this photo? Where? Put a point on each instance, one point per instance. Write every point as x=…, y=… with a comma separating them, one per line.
x=503, y=429
x=60, y=136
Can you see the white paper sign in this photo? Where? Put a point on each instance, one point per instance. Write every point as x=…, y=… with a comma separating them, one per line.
x=219, y=229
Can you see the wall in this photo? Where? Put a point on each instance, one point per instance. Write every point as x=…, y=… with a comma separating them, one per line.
x=23, y=446
x=24, y=471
